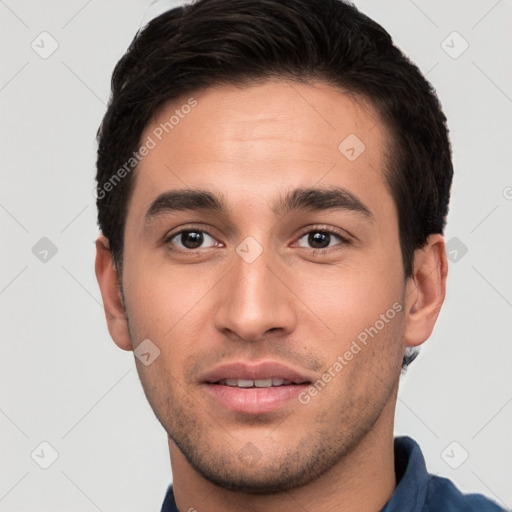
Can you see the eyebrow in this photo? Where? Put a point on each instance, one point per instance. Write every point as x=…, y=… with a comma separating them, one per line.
x=313, y=199
x=318, y=199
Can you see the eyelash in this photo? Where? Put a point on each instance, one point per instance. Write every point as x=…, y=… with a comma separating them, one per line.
x=344, y=241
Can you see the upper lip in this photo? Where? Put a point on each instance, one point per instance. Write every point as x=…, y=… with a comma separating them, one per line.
x=254, y=371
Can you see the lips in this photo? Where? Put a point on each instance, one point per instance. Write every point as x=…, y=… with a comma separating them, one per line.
x=254, y=388
x=255, y=372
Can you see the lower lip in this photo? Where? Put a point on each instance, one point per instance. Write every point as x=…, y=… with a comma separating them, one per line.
x=254, y=400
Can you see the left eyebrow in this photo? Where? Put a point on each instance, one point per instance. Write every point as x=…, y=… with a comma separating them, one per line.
x=319, y=199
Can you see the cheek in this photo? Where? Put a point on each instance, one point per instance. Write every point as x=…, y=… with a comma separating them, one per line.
x=163, y=299
x=350, y=297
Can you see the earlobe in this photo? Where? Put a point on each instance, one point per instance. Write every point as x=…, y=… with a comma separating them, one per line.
x=108, y=281
x=426, y=290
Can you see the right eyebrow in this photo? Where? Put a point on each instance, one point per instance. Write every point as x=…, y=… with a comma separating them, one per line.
x=189, y=199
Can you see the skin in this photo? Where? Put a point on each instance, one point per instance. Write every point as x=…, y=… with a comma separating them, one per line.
x=293, y=304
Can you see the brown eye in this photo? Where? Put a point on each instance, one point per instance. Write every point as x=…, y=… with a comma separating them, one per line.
x=191, y=239
x=320, y=239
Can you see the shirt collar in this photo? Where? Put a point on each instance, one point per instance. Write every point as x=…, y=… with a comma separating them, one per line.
x=411, y=475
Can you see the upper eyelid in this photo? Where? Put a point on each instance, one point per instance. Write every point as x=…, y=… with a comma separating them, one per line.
x=341, y=233
x=200, y=228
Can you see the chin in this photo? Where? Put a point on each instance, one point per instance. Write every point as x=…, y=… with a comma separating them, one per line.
x=249, y=471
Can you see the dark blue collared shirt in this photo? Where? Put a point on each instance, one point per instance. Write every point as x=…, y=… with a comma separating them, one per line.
x=417, y=490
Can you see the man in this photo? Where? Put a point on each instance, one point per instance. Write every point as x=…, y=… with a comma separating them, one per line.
x=273, y=185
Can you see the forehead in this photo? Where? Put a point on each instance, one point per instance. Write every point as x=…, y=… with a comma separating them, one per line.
x=244, y=142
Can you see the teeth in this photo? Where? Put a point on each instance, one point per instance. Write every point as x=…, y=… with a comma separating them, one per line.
x=259, y=383
x=263, y=383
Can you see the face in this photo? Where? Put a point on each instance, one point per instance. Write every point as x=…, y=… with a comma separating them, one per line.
x=260, y=252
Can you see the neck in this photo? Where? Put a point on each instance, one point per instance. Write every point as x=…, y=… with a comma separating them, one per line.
x=363, y=480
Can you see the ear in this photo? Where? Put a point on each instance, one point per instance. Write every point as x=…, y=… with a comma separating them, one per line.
x=426, y=290
x=110, y=287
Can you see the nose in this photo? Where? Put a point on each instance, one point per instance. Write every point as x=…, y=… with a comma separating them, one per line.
x=255, y=301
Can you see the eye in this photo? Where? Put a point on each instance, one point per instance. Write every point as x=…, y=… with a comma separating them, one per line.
x=192, y=239
x=321, y=239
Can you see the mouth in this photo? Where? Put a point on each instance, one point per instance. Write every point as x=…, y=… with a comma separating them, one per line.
x=258, y=383
x=251, y=388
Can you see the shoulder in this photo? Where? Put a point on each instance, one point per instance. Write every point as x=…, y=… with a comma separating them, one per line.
x=419, y=491
x=443, y=495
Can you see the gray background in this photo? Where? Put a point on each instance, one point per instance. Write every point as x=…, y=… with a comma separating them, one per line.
x=64, y=382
